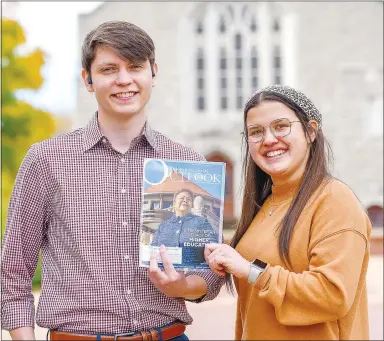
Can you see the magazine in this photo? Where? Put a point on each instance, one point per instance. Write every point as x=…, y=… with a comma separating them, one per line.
x=182, y=209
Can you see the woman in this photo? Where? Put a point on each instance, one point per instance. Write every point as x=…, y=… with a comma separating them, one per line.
x=300, y=253
x=184, y=228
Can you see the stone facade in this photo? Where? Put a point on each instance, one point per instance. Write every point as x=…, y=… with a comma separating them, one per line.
x=333, y=52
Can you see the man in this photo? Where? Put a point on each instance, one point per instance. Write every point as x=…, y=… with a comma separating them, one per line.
x=77, y=199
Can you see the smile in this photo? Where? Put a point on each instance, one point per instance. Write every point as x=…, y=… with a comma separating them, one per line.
x=275, y=153
x=124, y=95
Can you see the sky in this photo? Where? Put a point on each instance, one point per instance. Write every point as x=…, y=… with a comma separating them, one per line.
x=52, y=26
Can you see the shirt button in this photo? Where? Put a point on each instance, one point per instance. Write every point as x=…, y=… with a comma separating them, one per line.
x=125, y=223
x=135, y=322
x=126, y=257
x=122, y=160
x=104, y=140
x=129, y=292
x=123, y=190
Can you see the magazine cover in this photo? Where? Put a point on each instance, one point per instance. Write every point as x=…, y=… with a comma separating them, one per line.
x=182, y=209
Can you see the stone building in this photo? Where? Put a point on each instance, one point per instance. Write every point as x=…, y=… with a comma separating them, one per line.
x=213, y=55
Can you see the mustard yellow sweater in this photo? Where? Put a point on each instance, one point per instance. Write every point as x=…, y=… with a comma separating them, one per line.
x=324, y=296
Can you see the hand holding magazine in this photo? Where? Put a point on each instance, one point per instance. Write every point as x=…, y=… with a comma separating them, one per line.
x=182, y=209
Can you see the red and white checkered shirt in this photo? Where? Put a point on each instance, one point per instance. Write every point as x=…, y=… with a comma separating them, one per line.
x=78, y=200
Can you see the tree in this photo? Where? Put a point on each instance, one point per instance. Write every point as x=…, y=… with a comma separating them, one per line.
x=21, y=123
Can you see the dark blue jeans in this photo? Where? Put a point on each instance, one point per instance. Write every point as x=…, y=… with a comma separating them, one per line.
x=180, y=338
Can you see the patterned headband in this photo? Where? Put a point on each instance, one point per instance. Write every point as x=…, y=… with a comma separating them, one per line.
x=295, y=96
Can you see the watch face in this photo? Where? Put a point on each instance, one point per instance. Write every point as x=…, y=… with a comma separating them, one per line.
x=259, y=263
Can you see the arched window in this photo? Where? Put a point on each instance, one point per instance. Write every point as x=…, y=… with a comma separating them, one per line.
x=200, y=67
x=375, y=214
x=231, y=51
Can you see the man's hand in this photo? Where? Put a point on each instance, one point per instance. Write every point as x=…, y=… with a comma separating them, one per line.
x=170, y=282
x=222, y=258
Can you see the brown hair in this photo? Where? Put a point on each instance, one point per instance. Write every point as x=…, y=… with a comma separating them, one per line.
x=127, y=40
x=257, y=184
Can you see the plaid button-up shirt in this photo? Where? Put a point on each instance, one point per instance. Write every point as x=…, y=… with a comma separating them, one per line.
x=79, y=200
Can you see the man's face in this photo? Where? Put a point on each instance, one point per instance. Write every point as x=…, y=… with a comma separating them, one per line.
x=183, y=202
x=122, y=88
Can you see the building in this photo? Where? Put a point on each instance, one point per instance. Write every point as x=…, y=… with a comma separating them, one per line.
x=213, y=55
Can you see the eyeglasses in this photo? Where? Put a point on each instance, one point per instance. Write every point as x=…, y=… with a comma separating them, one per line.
x=279, y=128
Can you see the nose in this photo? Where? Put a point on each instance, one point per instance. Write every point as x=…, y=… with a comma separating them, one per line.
x=124, y=77
x=269, y=138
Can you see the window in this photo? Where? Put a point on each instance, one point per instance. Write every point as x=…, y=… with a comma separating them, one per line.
x=276, y=25
x=222, y=27
x=253, y=26
x=239, y=102
x=201, y=103
x=200, y=63
x=200, y=83
x=224, y=103
x=277, y=65
x=238, y=63
x=155, y=205
x=238, y=42
x=199, y=28
x=223, y=63
x=238, y=56
x=239, y=69
x=200, y=70
x=167, y=204
x=223, y=79
x=223, y=83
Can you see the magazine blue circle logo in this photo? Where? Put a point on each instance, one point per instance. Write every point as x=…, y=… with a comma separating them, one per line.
x=155, y=171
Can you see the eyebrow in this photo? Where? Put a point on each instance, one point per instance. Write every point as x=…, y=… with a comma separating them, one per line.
x=106, y=64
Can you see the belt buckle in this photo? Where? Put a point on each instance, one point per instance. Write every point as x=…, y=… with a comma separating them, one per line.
x=122, y=335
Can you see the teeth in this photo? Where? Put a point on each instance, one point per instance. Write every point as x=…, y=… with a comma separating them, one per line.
x=275, y=153
x=125, y=94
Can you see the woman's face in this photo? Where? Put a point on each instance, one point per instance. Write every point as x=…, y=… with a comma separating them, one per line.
x=183, y=203
x=283, y=158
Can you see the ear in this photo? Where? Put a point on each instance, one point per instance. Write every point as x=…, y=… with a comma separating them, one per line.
x=313, y=127
x=84, y=75
x=156, y=70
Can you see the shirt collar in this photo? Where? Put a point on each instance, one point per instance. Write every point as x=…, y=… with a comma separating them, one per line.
x=92, y=134
x=186, y=217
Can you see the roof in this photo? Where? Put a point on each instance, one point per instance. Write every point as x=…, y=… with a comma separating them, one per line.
x=174, y=182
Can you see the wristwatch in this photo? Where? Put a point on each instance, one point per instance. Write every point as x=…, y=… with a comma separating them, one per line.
x=256, y=269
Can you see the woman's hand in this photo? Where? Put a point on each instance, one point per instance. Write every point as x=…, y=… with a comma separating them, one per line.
x=222, y=258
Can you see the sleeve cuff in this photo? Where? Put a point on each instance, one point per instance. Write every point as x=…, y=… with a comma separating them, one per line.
x=264, y=278
x=17, y=314
x=214, y=284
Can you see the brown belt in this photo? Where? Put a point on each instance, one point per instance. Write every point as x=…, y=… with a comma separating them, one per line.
x=167, y=333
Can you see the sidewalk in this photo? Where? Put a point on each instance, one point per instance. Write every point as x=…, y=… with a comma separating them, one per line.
x=215, y=320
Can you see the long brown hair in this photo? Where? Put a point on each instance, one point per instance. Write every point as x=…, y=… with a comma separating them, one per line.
x=257, y=185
